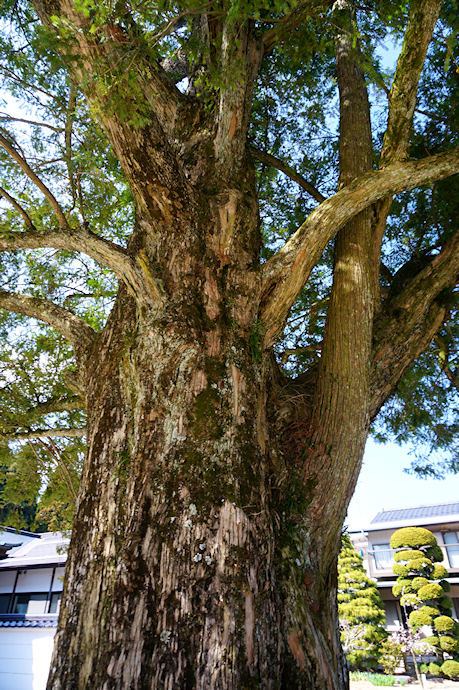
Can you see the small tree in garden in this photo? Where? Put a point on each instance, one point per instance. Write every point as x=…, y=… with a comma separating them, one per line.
x=422, y=587
x=360, y=609
x=391, y=654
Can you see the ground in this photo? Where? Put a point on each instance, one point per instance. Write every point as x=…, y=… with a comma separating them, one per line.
x=430, y=684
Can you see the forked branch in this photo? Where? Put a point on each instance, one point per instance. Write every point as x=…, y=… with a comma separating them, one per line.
x=286, y=273
x=410, y=320
x=132, y=271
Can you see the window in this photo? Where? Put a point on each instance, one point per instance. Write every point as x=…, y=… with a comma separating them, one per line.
x=392, y=617
x=383, y=556
x=30, y=603
x=452, y=548
x=55, y=604
x=4, y=602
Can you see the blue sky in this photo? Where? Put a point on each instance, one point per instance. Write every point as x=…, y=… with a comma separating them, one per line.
x=384, y=485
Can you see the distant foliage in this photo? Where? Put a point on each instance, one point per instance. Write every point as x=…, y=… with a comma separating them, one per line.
x=360, y=609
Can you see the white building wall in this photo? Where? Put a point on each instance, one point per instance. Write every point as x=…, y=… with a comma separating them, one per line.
x=25, y=657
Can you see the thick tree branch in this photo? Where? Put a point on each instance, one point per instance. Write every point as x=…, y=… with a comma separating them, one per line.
x=44, y=433
x=131, y=270
x=409, y=321
x=274, y=162
x=422, y=18
x=402, y=98
x=340, y=416
x=9, y=148
x=73, y=328
x=286, y=273
x=139, y=149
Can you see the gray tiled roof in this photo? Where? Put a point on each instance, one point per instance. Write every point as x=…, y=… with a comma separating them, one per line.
x=420, y=512
x=49, y=548
x=13, y=621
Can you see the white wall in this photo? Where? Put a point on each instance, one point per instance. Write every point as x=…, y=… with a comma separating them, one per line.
x=25, y=657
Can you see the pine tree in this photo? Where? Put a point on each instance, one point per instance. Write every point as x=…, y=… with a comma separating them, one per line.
x=360, y=608
x=422, y=587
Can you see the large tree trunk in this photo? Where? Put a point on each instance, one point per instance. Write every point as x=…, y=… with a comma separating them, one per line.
x=194, y=559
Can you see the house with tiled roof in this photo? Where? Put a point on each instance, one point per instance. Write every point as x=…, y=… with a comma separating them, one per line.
x=31, y=580
x=374, y=544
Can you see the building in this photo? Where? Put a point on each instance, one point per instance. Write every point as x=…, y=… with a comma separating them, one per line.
x=374, y=545
x=31, y=574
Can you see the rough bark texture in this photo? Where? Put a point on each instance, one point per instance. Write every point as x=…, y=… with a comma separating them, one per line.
x=214, y=488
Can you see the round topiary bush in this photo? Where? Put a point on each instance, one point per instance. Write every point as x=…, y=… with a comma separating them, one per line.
x=418, y=590
x=412, y=537
x=445, y=624
x=439, y=571
x=449, y=644
x=400, y=570
x=450, y=668
x=430, y=591
x=418, y=582
x=360, y=610
x=423, y=616
x=434, y=669
x=407, y=555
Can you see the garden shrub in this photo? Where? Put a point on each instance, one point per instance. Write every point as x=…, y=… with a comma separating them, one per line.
x=450, y=668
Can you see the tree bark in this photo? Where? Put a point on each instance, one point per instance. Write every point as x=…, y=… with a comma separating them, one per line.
x=190, y=564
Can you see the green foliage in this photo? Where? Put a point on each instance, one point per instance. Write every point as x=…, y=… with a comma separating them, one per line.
x=412, y=537
x=450, y=668
x=360, y=609
x=401, y=570
x=423, y=616
x=449, y=644
x=377, y=679
x=418, y=582
x=435, y=554
x=439, y=572
x=434, y=669
x=405, y=556
x=391, y=655
x=445, y=624
x=431, y=591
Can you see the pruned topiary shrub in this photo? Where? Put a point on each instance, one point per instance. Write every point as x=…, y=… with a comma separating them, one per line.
x=412, y=537
x=450, y=668
x=445, y=625
x=434, y=669
x=422, y=588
